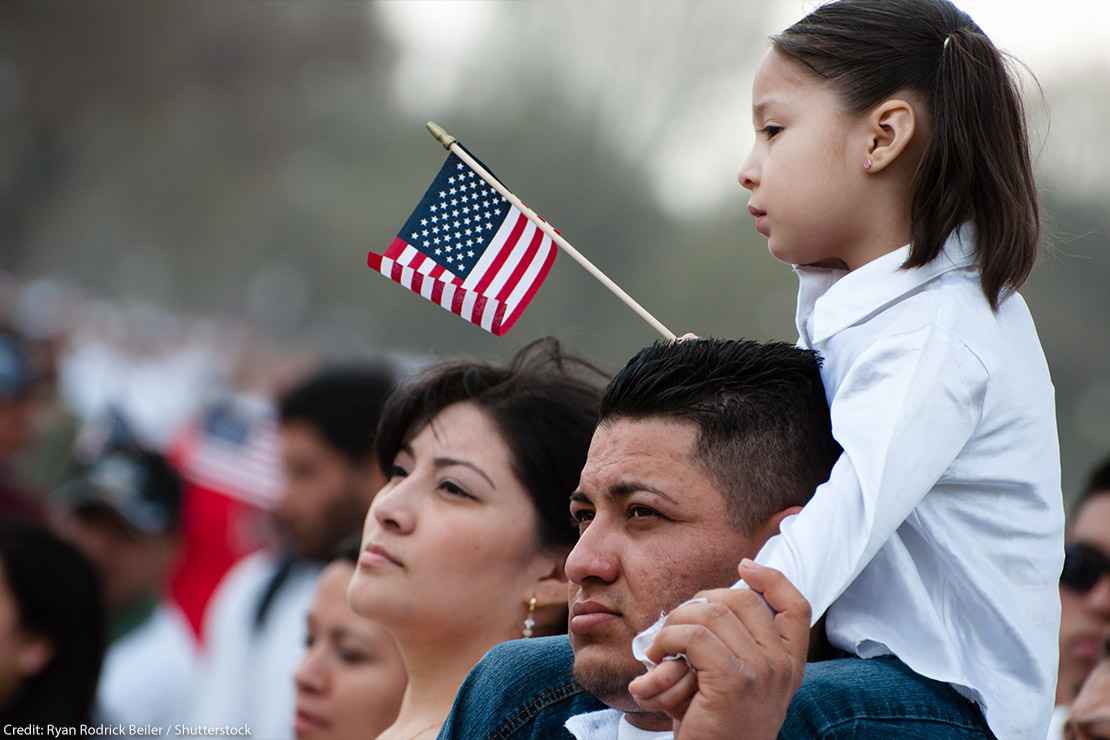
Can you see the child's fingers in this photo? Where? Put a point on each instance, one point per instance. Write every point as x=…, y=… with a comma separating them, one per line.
x=659, y=679
x=675, y=700
x=792, y=611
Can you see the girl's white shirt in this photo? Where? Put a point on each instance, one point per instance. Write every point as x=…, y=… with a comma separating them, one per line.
x=939, y=535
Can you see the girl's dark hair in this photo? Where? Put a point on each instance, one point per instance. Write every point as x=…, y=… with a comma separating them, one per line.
x=57, y=595
x=977, y=166
x=545, y=404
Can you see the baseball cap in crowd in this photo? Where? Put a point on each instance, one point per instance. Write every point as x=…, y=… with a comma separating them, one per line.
x=16, y=373
x=137, y=485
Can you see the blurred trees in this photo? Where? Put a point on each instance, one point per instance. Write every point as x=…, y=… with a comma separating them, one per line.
x=238, y=159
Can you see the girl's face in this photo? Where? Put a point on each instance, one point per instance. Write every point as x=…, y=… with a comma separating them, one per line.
x=450, y=547
x=805, y=171
x=351, y=679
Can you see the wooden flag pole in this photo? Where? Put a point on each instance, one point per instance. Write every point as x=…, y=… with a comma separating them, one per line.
x=450, y=143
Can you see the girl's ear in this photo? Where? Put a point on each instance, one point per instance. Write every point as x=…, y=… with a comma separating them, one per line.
x=892, y=125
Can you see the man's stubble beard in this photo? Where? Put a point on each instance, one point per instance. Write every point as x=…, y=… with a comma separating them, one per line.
x=608, y=682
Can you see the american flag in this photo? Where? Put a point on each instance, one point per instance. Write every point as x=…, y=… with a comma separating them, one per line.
x=233, y=449
x=469, y=250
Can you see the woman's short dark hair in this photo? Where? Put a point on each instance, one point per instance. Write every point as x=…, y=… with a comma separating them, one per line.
x=57, y=595
x=544, y=403
x=977, y=166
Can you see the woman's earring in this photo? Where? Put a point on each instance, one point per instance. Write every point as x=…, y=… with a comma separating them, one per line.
x=529, y=623
x=867, y=164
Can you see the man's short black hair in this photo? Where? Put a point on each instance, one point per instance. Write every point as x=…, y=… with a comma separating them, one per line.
x=343, y=404
x=763, y=429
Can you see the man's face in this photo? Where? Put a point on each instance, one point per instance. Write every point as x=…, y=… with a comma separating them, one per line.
x=1084, y=617
x=16, y=426
x=655, y=530
x=132, y=565
x=325, y=496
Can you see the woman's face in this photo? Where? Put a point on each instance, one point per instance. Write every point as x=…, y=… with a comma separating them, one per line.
x=450, y=546
x=10, y=639
x=351, y=679
x=21, y=655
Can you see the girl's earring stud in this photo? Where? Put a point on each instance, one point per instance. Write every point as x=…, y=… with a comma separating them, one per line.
x=867, y=164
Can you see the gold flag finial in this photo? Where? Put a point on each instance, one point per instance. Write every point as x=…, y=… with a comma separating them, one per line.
x=441, y=135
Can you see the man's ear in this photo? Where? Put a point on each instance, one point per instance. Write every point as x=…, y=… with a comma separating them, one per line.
x=771, y=527
x=891, y=127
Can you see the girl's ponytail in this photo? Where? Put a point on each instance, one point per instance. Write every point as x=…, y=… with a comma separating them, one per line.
x=977, y=166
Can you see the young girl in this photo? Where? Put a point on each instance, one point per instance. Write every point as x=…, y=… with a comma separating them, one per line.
x=892, y=167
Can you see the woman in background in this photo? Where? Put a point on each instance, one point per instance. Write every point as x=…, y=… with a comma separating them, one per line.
x=52, y=630
x=350, y=681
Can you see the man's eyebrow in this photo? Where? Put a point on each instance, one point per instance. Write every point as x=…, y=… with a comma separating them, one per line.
x=443, y=462
x=624, y=489
x=627, y=488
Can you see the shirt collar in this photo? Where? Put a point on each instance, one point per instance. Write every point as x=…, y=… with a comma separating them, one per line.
x=599, y=725
x=831, y=300
x=608, y=724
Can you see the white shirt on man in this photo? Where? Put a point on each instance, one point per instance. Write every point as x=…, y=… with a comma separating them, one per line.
x=938, y=537
x=609, y=724
x=245, y=676
x=148, y=672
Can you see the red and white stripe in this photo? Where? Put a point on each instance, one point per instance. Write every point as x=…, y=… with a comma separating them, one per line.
x=250, y=472
x=498, y=288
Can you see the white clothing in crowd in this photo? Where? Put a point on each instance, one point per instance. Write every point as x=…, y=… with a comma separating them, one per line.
x=148, y=673
x=245, y=677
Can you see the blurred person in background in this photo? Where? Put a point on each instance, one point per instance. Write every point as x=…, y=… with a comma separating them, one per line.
x=124, y=514
x=1090, y=714
x=464, y=547
x=255, y=622
x=43, y=313
x=1084, y=591
x=228, y=459
x=351, y=677
x=52, y=630
x=16, y=428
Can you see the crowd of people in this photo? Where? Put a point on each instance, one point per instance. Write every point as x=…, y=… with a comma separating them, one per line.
x=861, y=534
x=455, y=480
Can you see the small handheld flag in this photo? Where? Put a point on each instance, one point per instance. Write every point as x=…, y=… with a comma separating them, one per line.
x=468, y=249
x=477, y=250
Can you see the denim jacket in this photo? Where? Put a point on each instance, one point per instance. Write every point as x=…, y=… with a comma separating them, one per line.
x=521, y=690
x=525, y=690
